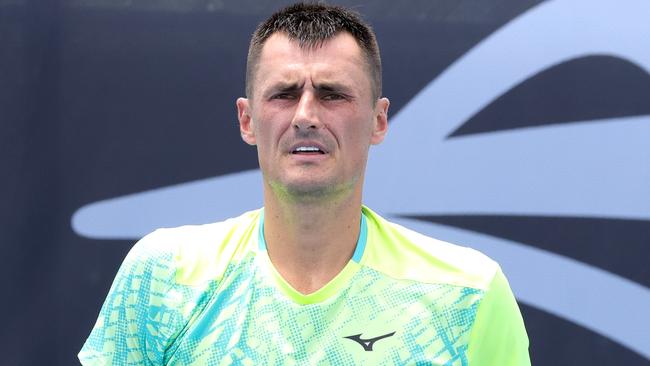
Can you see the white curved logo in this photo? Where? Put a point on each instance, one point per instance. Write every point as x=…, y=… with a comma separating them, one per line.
x=594, y=169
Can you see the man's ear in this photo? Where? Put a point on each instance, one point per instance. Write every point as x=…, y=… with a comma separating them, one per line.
x=380, y=127
x=245, y=121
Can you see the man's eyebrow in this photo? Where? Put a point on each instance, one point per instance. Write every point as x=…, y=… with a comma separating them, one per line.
x=332, y=86
x=285, y=87
x=288, y=87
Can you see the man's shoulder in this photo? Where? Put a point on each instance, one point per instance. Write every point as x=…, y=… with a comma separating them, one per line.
x=406, y=254
x=202, y=252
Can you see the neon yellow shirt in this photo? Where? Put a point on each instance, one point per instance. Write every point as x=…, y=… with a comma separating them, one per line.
x=209, y=295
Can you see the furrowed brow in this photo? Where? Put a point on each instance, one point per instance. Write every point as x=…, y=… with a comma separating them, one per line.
x=285, y=87
x=333, y=87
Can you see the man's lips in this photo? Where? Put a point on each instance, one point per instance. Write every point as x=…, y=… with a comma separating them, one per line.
x=308, y=148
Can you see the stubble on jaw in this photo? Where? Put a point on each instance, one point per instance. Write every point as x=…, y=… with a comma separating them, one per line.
x=313, y=192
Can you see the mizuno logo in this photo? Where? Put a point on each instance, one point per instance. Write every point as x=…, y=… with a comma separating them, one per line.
x=368, y=343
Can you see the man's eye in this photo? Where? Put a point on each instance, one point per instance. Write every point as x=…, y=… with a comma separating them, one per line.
x=283, y=96
x=333, y=96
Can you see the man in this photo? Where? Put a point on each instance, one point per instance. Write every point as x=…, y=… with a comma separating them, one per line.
x=314, y=277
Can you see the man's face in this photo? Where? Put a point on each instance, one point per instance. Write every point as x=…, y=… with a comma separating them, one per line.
x=312, y=116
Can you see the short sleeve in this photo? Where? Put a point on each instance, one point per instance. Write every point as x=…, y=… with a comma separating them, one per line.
x=133, y=327
x=498, y=336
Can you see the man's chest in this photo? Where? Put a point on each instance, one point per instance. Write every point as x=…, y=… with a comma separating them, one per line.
x=375, y=321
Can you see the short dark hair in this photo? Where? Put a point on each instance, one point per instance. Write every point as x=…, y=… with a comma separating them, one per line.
x=311, y=24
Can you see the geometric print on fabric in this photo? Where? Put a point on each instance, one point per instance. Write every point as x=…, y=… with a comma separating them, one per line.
x=144, y=311
x=248, y=321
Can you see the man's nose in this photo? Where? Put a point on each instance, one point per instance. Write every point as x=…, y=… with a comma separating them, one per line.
x=306, y=115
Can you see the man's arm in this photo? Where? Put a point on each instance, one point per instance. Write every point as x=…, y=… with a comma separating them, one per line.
x=498, y=336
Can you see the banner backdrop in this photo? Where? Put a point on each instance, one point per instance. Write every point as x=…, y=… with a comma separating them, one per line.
x=519, y=128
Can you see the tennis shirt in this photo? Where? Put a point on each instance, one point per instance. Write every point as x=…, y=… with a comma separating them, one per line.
x=209, y=295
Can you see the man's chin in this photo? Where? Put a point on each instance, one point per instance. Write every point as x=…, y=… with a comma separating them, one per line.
x=310, y=191
x=307, y=191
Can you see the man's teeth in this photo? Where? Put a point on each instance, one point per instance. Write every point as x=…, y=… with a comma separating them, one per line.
x=307, y=149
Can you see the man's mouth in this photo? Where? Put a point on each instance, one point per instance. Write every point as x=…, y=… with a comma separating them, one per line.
x=308, y=150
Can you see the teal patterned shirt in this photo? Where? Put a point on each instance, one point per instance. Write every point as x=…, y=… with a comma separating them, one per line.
x=209, y=295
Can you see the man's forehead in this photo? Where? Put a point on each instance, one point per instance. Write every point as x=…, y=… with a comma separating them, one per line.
x=285, y=57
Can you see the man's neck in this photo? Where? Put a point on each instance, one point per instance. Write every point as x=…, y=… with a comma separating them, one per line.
x=310, y=243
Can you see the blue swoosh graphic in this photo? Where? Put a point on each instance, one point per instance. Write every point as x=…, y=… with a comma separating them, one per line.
x=202, y=201
x=596, y=169
x=590, y=169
